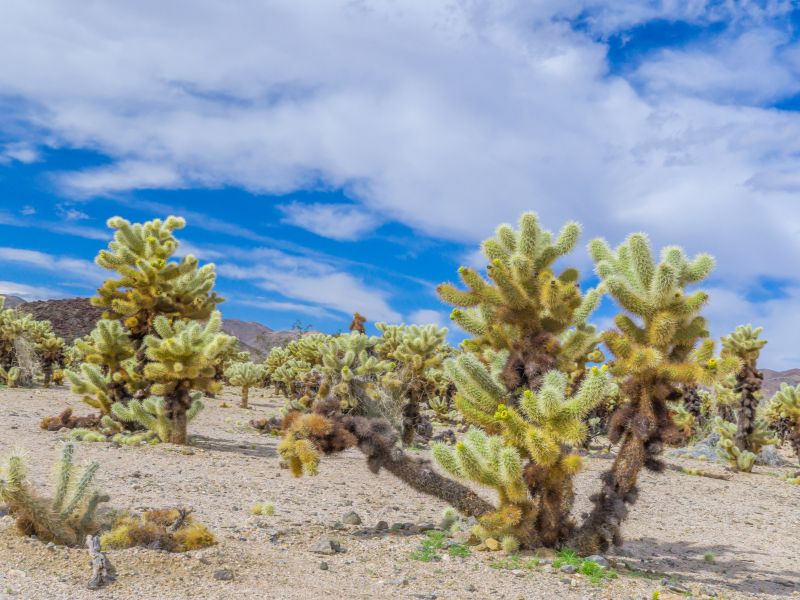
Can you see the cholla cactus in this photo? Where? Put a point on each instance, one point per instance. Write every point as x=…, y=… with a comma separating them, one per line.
x=745, y=345
x=524, y=307
x=150, y=284
x=107, y=375
x=181, y=357
x=784, y=407
x=738, y=459
x=289, y=368
x=48, y=347
x=543, y=429
x=66, y=518
x=10, y=376
x=351, y=374
x=153, y=415
x=13, y=326
x=659, y=343
x=418, y=353
x=246, y=375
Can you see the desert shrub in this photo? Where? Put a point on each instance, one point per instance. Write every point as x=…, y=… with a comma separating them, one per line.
x=172, y=530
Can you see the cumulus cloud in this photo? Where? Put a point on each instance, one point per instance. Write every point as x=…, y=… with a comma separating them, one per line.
x=74, y=267
x=312, y=282
x=343, y=222
x=426, y=316
x=447, y=117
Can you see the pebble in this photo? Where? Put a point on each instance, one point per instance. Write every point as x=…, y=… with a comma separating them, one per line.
x=382, y=526
x=327, y=546
x=223, y=575
x=599, y=560
x=568, y=569
x=323, y=566
x=351, y=518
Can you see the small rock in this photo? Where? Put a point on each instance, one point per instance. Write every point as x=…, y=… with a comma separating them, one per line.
x=424, y=596
x=492, y=544
x=599, y=560
x=50, y=546
x=351, y=518
x=680, y=589
x=323, y=566
x=568, y=569
x=382, y=526
x=518, y=572
x=223, y=575
x=471, y=588
x=399, y=582
x=423, y=527
x=769, y=456
x=326, y=546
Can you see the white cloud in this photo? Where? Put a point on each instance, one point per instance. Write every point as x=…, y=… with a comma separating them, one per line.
x=290, y=307
x=778, y=316
x=427, y=316
x=74, y=267
x=28, y=210
x=447, y=117
x=344, y=222
x=19, y=152
x=28, y=292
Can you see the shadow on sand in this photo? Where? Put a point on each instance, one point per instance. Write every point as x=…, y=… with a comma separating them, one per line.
x=686, y=560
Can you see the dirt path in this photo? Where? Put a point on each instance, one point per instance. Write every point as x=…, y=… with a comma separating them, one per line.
x=749, y=524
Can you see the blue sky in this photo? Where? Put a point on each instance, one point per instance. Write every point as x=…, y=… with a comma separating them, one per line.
x=342, y=156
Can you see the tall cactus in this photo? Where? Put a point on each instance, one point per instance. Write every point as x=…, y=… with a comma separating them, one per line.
x=151, y=283
x=68, y=516
x=246, y=375
x=660, y=342
x=524, y=306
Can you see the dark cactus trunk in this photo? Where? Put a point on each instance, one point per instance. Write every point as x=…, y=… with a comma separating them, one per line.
x=748, y=382
x=177, y=404
x=245, y=396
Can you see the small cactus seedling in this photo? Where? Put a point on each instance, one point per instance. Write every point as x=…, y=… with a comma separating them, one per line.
x=68, y=516
x=171, y=530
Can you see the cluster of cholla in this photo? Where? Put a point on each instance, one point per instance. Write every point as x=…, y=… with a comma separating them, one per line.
x=531, y=383
x=29, y=349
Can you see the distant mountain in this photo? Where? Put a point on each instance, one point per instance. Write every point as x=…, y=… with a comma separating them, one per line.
x=71, y=318
x=13, y=301
x=773, y=380
x=76, y=317
x=256, y=338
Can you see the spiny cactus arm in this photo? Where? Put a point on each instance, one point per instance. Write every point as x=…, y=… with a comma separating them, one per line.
x=78, y=493
x=64, y=476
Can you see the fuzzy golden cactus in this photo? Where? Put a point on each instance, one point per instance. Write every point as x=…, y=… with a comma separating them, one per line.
x=246, y=375
x=524, y=306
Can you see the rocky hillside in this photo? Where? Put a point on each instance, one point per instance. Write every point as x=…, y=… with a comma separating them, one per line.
x=773, y=380
x=75, y=317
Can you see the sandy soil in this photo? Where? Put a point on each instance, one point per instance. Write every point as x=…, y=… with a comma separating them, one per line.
x=750, y=524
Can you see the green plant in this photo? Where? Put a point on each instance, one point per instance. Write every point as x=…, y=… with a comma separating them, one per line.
x=429, y=547
x=246, y=375
x=595, y=572
x=742, y=460
x=514, y=562
x=180, y=361
x=68, y=516
x=265, y=509
x=10, y=376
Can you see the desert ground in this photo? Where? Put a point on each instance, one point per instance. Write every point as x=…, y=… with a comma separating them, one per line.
x=688, y=536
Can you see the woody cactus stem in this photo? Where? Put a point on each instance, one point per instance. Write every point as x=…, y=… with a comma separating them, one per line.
x=665, y=347
x=744, y=344
x=329, y=431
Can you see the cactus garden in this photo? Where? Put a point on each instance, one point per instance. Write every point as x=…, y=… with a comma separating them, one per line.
x=549, y=453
